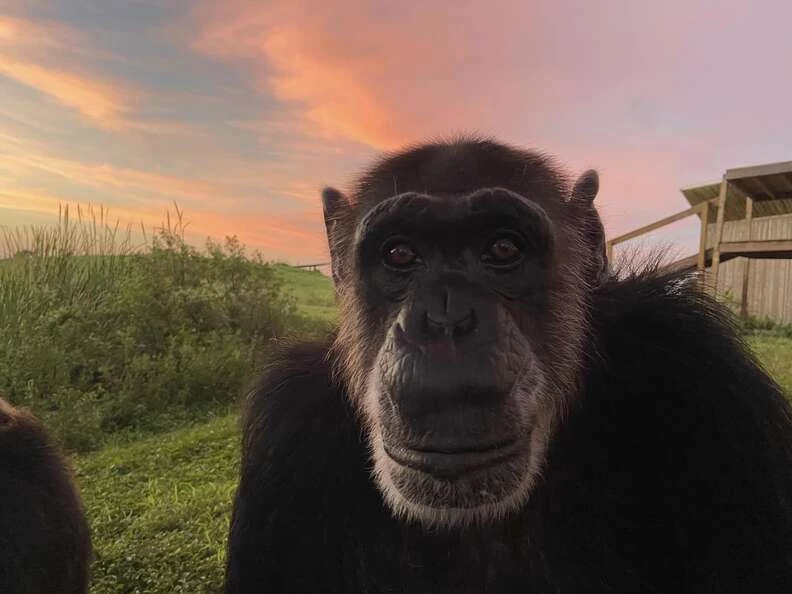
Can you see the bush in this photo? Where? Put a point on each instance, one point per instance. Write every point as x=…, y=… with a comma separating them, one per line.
x=100, y=339
x=766, y=326
x=753, y=325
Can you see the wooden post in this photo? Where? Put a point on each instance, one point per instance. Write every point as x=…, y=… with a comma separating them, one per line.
x=747, y=268
x=702, y=256
x=716, y=246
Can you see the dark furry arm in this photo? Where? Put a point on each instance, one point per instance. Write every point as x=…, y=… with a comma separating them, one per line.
x=298, y=438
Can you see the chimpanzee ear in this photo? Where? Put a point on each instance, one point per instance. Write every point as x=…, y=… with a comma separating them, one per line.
x=583, y=194
x=600, y=267
x=586, y=188
x=335, y=205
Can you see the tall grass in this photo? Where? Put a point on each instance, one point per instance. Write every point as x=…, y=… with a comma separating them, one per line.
x=47, y=258
x=105, y=339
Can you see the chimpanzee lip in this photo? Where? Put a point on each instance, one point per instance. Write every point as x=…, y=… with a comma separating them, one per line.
x=453, y=461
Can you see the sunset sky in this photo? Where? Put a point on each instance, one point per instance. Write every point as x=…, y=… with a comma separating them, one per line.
x=241, y=111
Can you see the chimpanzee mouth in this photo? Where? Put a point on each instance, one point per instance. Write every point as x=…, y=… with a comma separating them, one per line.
x=452, y=462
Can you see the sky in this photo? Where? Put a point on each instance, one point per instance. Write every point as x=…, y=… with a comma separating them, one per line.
x=240, y=112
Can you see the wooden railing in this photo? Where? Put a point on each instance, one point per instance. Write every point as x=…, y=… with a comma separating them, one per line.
x=701, y=208
x=312, y=266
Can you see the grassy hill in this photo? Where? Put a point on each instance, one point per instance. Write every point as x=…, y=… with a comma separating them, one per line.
x=312, y=290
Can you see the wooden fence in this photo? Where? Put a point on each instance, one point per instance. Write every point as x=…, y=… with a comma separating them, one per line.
x=769, y=281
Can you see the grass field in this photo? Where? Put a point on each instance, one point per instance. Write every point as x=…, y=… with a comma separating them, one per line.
x=160, y=507
x=775, y=353
x=159, y=510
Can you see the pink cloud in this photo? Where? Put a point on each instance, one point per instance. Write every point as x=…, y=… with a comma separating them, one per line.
x=385, y=76
x=345, y=84
x=543, y=74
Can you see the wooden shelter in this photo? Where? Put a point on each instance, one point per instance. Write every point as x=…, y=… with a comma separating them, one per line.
x=746, y=221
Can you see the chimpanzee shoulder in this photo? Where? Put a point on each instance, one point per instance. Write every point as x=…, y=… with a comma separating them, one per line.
x=678, y=418
x=298, y=418
x=680, y=341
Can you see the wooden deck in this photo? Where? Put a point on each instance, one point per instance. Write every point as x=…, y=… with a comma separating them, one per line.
x=767, y=249
x=743, y=194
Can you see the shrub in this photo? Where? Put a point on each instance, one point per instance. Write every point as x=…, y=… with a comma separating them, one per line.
x=102, y=339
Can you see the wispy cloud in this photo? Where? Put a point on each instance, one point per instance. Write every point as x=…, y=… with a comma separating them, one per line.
x=97, y=100
x=235, y=199
x=41, y=56
x=30, y=35
x=212, y=190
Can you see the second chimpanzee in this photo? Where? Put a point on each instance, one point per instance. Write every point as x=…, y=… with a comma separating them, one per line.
x=45, y=542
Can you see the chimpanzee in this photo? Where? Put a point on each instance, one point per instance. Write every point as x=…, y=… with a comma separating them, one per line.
x=500, y=410
x=45, y=542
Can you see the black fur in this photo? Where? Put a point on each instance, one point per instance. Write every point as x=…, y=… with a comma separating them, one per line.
x=671, y=473
x=45, y=545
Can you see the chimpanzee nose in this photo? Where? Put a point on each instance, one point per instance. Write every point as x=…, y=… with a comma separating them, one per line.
x=444, y=312
x=454, y=325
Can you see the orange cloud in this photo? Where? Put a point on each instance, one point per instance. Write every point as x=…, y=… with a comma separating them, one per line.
x=334, y=96
x=31, y=35
x=137, y=184
x=48, y=57
x=337, y=65
x=97, y=100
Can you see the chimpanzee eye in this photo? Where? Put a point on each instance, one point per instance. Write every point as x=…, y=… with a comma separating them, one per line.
x=400, y=255
x=502, y=252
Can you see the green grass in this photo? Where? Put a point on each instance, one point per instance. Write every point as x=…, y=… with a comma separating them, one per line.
x=312, y=290
x=775, y=353
x=159, y=510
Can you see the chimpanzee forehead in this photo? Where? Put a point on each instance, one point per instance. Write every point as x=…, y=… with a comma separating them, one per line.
x=456, y=169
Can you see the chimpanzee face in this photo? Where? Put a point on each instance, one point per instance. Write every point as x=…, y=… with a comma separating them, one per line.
x=454, y=329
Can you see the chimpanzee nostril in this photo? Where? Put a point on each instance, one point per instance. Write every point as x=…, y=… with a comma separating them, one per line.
x=433, y=328
x=466, y=325
x=444, y=325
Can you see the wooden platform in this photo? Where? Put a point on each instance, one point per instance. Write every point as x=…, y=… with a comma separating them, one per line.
x=764, y=250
